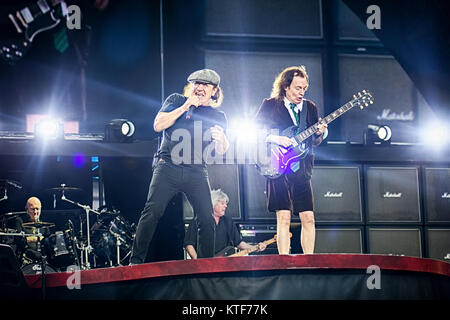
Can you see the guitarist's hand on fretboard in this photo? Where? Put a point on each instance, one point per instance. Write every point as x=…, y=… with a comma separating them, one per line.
x=321, y=127
x=261, y=246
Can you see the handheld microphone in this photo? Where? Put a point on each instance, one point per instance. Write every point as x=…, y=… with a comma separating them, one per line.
x=189, y=112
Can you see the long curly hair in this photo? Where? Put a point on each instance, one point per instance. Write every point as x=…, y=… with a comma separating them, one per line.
x=284, y=79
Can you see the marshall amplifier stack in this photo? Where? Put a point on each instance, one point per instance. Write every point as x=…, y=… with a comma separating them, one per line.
x=358, y=208
x=393, y=211
x=437, y=211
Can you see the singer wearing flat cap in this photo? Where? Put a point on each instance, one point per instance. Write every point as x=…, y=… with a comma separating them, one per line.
x=186, y=121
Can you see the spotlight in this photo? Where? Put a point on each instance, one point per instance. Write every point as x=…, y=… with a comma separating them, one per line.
x=439, y=132
x=377, y=133
x=119, y=130
x=49, y=129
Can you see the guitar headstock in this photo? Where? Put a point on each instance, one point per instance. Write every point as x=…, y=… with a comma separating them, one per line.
x=362, y=99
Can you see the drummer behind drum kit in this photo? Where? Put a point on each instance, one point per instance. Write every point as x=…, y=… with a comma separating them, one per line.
x=106, y=244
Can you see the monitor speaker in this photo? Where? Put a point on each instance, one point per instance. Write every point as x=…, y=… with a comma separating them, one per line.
x=393, y=194
x=395, y=241
x=437, y=194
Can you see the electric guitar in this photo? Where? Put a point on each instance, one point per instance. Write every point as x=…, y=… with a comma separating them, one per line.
x=286, y=160
x=29, y=22
x=223, y=253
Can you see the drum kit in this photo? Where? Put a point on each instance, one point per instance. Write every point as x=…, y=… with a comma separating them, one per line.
x=105, y=243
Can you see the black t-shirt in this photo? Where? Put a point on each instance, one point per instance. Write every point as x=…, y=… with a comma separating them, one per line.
x=188, y=141
x=227, y=234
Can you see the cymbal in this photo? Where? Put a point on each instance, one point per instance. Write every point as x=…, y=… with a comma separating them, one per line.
x=65, y=189
x=40, y=224
x=11, y=182
x=11, y=215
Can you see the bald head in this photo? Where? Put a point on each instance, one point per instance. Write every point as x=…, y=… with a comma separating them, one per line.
x=33, y=208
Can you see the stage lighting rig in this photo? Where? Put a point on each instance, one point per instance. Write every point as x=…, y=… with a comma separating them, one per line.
x=119, y=130
x=377, y=134
x=48, y=129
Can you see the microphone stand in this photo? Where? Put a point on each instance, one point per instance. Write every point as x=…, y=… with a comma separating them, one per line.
x=43, y=262
x=87, y=250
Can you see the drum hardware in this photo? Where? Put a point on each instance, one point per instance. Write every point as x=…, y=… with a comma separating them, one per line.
x=86, y=249
x=112, y=239
x=6, y=182
x=42, y=262
x=17, y=234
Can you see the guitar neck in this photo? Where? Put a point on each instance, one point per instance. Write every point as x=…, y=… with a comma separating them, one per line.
x=247, y=251
x=329, y=118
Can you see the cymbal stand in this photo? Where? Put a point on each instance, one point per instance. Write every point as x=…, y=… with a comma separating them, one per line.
x=86, y=249
x=119, y=241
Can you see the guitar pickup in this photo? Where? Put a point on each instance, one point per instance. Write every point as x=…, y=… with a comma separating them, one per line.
x=26, y=15
x=43, y=6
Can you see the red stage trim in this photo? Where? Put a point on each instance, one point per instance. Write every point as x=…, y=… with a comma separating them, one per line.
x=248, y=263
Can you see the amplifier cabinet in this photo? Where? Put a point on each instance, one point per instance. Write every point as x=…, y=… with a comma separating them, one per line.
x=392, y=194
x=438, y=243
x=328, y=240
x=336, y=191
x=339, y=240
x=395, y=241
x=337, y=194
x=437, y=194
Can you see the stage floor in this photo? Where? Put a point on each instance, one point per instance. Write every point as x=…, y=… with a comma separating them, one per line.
x=293, y=277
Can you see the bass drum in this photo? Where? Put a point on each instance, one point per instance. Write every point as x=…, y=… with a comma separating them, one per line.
x=36, y=268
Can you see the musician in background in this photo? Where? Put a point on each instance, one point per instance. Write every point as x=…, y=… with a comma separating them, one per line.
x=293, y=191
x=33, y=208
x=227, y=234
x=28, y=245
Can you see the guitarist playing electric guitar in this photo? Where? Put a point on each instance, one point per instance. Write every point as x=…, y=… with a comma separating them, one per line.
x=287, y=107
x=227, y=234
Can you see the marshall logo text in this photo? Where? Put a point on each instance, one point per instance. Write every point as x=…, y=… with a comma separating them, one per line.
x=333, y=194
x=392, y=195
